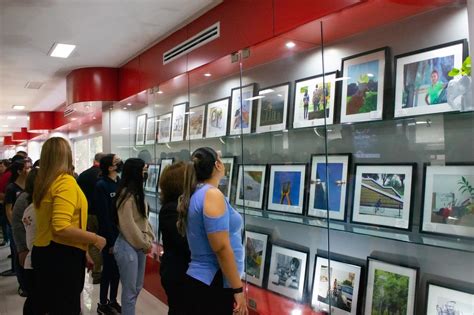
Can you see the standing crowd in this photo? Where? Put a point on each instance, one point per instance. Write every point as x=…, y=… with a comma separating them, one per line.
x=57, y=226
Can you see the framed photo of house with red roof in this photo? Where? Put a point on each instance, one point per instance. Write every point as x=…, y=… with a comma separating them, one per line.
x=383, y=195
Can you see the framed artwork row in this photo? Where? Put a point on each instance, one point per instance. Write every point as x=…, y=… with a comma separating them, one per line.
x=382, y=193
x=342, y=285
x=154, y=174
x=421, y=80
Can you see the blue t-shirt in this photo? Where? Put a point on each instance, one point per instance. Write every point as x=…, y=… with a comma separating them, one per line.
x=204, y=264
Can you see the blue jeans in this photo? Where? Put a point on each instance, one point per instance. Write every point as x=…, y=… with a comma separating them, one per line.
x=131, y=264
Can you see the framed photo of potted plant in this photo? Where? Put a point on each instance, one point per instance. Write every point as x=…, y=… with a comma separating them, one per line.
x=363, y=87
x=422, y=77
x=448, y=206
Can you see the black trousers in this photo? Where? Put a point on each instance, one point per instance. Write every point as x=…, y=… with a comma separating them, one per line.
x=209, y=300
x=28, y=307
x=174, y=291
x=3, y=223
x=110, y=277
x=59, y=273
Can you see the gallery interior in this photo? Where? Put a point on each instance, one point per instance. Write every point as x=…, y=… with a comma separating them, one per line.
x=346, y=130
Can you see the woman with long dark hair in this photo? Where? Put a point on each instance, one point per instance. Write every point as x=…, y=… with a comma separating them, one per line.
x=214, y=232
x=135, y=233
x=176, y=256
x=61, y=240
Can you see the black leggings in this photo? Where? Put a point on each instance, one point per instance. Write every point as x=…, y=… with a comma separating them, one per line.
x=59, y=272
x=209, y=300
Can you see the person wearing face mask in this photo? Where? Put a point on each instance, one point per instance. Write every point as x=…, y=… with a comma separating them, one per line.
x=135, y=233
x=104, y=196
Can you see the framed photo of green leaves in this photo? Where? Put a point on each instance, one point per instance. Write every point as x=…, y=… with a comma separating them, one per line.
x=390, y=287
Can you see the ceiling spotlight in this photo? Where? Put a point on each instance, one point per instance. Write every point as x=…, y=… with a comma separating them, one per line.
x=11, y=117
x=129, y=104
x=73, y=119
x=18, y=107
x=94, y=117
x=290, y=45
x=207, y=74
x=61, y=50
x=160, y=92
x=125, y=108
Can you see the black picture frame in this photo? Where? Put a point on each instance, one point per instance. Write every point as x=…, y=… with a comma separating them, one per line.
x=266, y=260
x=226, y=118
x=244, y=202
x=251, y=126
x=286, y=115
x=184, y=127
x=203, y=132
x=464, y=290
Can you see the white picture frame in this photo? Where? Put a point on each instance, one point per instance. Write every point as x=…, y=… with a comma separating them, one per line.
x=179, y=119
x=368, y=66
x=346, y=293
x=244, y=119
x=386, y=200
x=217, y=118
x=254, y=186
x=338, y=171
x=306, y=93
x=282, y=277
x=272, y=109
x=444, y=300
x=378, y=269
x=416, y=83
x=287, y=184
x=225, y=183
x=164, y=128
x=150, y=134
x=196, y=122
x=164, y=163
x=255, y=256
x=447, y=200
x=151, y=183
x=140, y=130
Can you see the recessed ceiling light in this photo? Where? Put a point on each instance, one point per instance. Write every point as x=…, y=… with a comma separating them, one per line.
x=73, y=118
x=207, y=74
x=61, y=50
x=129, y=104
x=370, y=75
x=125, y=108
x=290, y=44
x=160, y=92
x=18, y=107
x=94, y=117
x=4, y=126
x=280, y=95
x=11, y=117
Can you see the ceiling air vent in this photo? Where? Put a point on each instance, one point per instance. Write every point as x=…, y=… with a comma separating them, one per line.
x=200, y=39
x=33, y=85
x=69, y=110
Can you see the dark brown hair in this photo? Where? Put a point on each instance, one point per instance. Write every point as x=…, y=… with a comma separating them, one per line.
x=199, y=169
x=171, y=182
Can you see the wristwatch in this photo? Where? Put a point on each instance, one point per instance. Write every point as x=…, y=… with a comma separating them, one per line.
x=237, y=290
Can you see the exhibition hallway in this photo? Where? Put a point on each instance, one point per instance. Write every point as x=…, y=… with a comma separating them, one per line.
x=12, y=304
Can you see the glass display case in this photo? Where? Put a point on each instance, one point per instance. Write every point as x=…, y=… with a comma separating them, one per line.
x=348, y=151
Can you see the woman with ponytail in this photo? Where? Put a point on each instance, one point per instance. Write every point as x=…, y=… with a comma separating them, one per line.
x=214, y=232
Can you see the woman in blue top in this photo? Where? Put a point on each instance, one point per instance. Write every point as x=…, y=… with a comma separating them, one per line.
x=213, y=229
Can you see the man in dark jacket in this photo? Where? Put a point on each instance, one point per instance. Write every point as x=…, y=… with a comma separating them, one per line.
x=87, y=181
x=104, y=198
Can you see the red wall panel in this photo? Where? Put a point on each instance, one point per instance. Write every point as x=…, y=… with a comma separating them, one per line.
x=152, y=70
x=92, y=84
x=292, y=13
x=129, y=78
x=243, y=23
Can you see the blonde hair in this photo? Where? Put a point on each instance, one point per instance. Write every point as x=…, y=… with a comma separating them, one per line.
x=56, y=159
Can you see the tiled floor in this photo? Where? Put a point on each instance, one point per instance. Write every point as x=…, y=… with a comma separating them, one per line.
x=12, y=304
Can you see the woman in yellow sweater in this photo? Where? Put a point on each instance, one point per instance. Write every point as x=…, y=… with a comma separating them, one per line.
x=59, y=251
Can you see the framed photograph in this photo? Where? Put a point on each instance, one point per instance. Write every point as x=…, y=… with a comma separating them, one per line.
x=273, y=108
x=390, y=287
x=256, y=245
x=226, y=182
x=196, y=122
x=251, y=185
x=241, y=112
x=140, y=131
x=422, y=78
x=448, y=206
x=444, y=300
x=150, y=135
x=164, y=128
x=363, y=91
x=382, y=195
x=179, y=114
x=287, y=273
x=338, y=287
x=310, y=98
x=217, y=116
x=328, y=188
x=153, y=175
x=287, y=183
